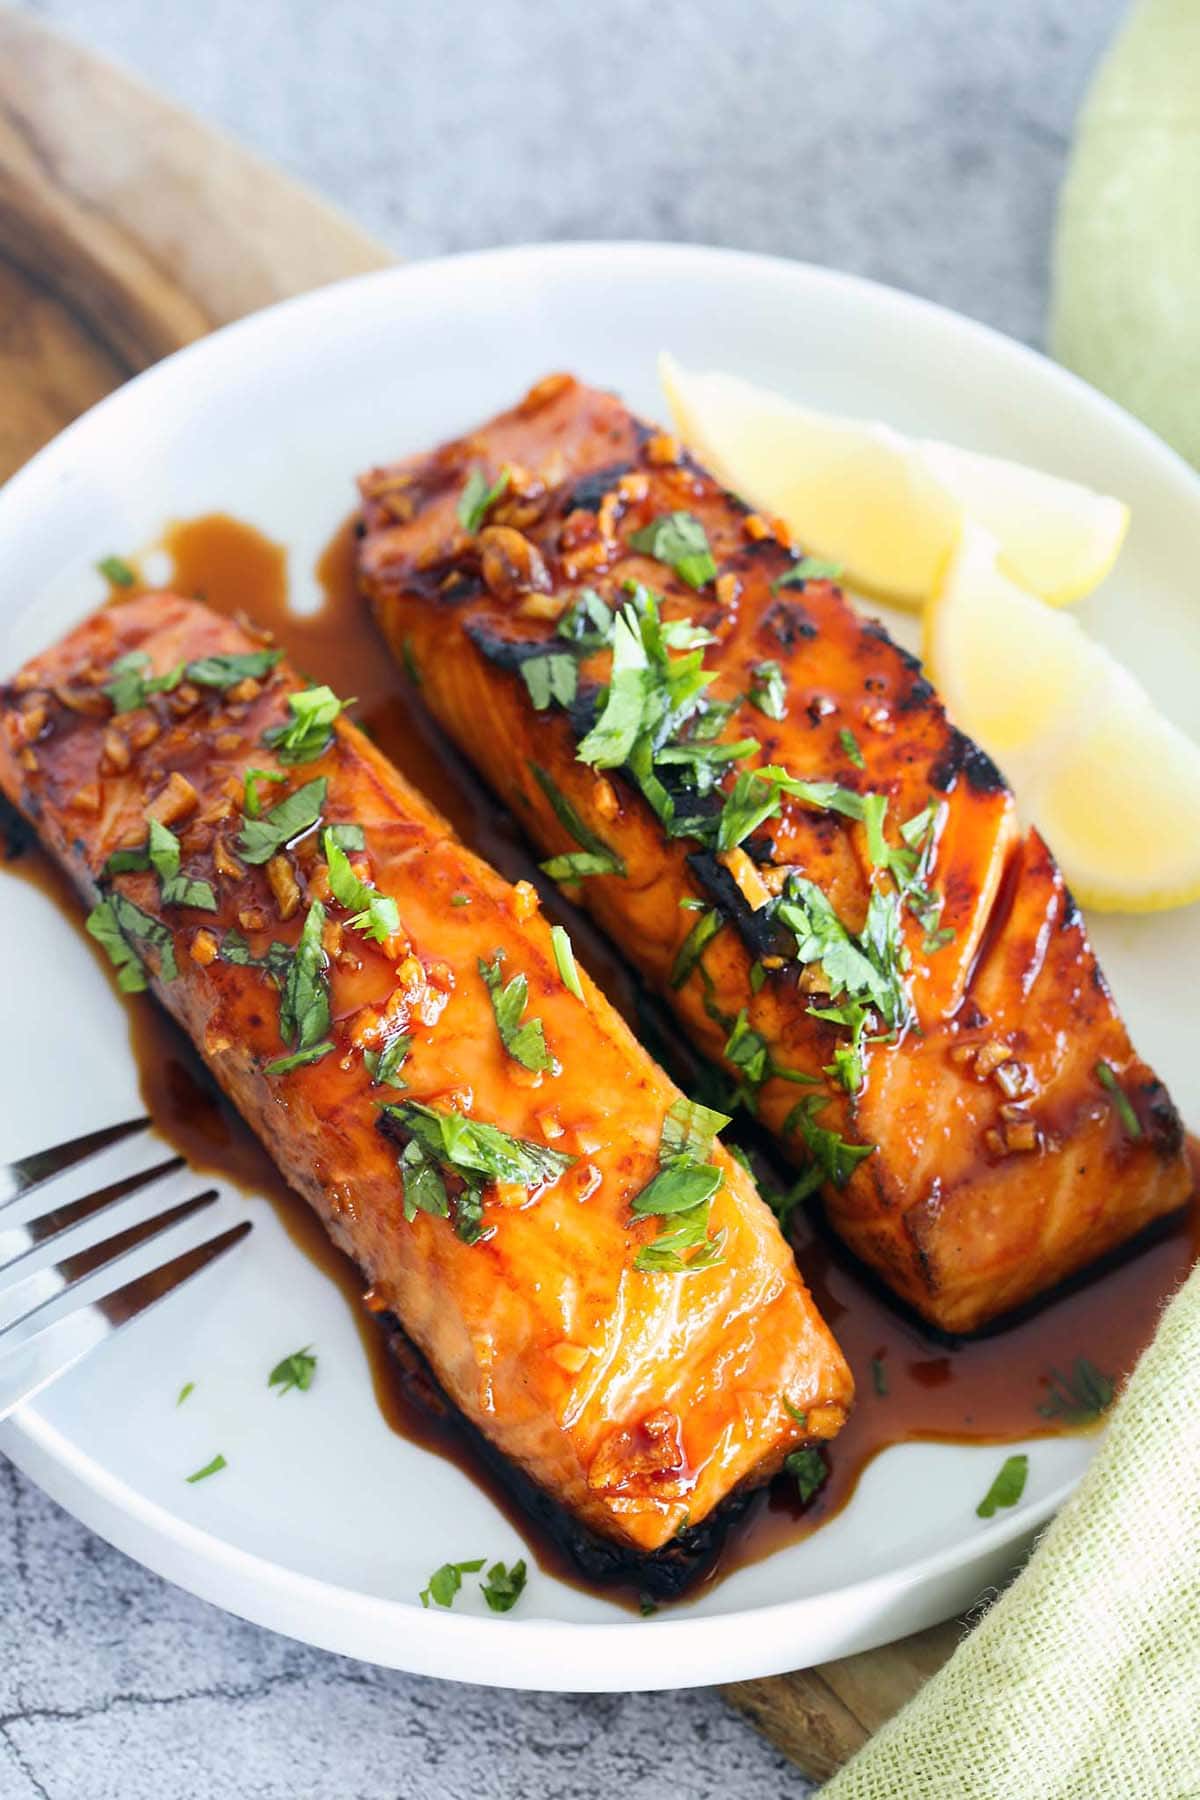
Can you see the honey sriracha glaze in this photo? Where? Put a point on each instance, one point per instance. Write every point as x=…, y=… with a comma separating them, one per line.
x=912, y=1385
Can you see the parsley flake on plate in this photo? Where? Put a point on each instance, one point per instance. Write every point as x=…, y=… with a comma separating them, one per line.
x=294, y=1371
x=1007, y=1488
x=446, y=1582
x=117, y=571
x=1079, y=1397
x=808, y=1469
x=210, y=1468
x=503, y=1586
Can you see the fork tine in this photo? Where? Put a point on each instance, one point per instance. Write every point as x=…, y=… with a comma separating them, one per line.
x=32, y=1364
x=17, y=1178
x=19, y=1240
x=18, y=1304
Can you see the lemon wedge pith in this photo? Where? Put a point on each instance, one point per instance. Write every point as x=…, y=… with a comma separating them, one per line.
x=887, y=507
x=1112, y=785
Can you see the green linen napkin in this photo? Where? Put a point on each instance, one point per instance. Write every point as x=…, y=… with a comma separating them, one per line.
x=1082, y=1682
x=1126, y=307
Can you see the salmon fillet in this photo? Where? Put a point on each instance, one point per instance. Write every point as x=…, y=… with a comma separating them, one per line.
x=496, y=1193
x=893, y=973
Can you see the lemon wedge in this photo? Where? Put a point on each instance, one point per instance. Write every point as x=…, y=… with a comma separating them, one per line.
x=887, y=507
x=1112, y=785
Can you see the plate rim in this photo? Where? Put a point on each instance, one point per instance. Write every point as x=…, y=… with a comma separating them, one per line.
x=615, y=1655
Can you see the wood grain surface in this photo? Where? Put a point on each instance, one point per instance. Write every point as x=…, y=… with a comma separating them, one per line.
x=128, y=229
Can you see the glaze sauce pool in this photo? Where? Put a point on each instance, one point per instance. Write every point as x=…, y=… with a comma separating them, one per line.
x=912, y=1384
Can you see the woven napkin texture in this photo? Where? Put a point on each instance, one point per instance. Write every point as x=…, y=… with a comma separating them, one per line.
x=1082, y=1682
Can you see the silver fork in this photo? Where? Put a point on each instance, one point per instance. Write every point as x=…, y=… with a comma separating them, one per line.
x=35, y=1351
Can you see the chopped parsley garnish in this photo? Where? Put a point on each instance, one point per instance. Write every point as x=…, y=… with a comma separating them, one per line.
x=189, y=1387
x=553, y=677
x=309, y=731
x=383, y=1066
x=117, y=571
x=123, y=930
x=263, y=838
x=866, y=968
x=587, y=622
x=680, y=540
x=793, y=1412
x=283, y=1065
x=784, y=1204
x=594, y=856
x=681, y=1193
x=128, y=686
x=654, y=719
x=831, y=1154
x=227, y=671
x=612, y=737
x=1080, y=1397
x=295, y=1371
x=694, y=945
x=504, y=1587
x=234, y=949
x=768, y=689
x=524, y=1039
x=477, y=498
x=471, y=1147
x=210, y=1468
x=251, y=803
x=689, y=1129
x=879, y=1376
x=161, y=852
x=1007, y=1488
x=424, y=1189
x=1106, y=1075
x=304, y=1013
x=756, y=795
x=851, y=747
x=376, y=915
x=809, y=568
x=444, y=1583
x=808, y=1469
x=750, y=1055
x=564, y=959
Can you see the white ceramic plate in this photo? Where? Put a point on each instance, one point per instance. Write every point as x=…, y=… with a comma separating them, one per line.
x=325, y=1525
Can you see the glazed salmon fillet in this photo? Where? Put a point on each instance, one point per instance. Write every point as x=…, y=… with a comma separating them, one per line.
x=473, y=1122
x=760, y=797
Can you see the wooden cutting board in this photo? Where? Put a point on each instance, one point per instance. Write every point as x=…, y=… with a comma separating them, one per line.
x=127, y=229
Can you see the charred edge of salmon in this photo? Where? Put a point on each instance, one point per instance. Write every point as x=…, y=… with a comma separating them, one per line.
x=658, y=1574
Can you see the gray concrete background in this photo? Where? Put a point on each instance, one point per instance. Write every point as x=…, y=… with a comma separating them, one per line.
x=917, y=141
